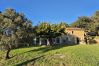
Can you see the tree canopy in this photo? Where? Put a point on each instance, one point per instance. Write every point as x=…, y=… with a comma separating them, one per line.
x=49, y=31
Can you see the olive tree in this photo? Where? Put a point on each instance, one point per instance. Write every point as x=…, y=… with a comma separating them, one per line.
x=13, y=26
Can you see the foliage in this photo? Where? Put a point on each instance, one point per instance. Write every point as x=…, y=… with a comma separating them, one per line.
x=90, y=24
x=49, y=31
x=82, y=22
x=13, y=26
x=95, y=24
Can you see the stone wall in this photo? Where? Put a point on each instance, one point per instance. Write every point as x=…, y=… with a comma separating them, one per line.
x=77, y=32
x=97, y=39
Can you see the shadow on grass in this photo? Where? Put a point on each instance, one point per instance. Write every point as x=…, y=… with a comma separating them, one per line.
x=26, y=47
x=28, y=61
x=43, y=50
x=46, y=48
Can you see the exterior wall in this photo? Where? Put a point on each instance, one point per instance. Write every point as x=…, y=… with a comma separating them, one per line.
x=65, y=39
x=70, y=38
x=77, y=32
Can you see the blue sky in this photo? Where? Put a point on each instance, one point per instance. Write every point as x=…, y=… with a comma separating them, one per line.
x=53, y=11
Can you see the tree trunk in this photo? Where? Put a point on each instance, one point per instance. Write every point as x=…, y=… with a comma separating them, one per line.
x=50, y=41
x=8, y=48
x=7, y=54
x=86, y=41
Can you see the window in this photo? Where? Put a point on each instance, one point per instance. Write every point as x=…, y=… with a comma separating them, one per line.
x=57, y=40
x=66, y=38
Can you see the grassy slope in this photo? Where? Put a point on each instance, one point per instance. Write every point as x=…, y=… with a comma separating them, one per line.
x=79, y=55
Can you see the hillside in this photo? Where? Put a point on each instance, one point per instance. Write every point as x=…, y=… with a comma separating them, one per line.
x=79, y=55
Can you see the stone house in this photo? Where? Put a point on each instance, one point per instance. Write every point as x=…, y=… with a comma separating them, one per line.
x=73, y=36
x=78, y=35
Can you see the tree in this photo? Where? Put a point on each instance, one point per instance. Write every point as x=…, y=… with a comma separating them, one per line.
x=95, y=25
x=49, y=31
x=14, y=26
x=82, y=22
x=64, y=24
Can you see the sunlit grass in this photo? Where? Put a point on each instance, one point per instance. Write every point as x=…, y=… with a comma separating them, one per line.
x=78, y=55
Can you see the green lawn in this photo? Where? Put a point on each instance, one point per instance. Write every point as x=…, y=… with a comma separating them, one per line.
x=78, y=55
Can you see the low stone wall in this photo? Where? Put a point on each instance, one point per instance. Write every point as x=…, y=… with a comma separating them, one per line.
x=82, y=43
x=97, y=40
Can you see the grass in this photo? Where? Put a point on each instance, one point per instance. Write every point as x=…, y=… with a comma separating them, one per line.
x=78, y=55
